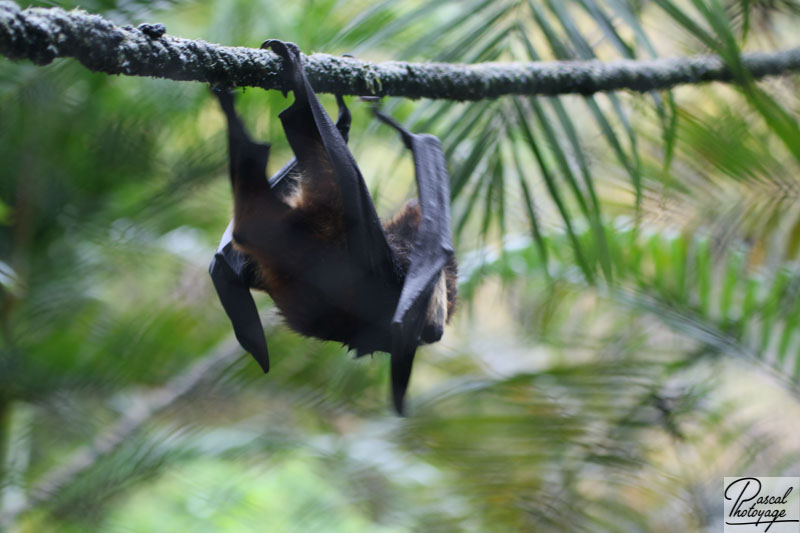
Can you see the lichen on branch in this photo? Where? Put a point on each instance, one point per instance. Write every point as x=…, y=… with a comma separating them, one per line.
x=43, y=34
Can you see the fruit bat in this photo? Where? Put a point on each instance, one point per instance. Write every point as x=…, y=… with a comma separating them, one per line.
x=311, y=238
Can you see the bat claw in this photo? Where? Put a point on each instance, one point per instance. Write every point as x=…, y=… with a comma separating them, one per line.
x=224, y=94
x=269, y=43
x=290, y=54
x=222, y=90
x=286, y=50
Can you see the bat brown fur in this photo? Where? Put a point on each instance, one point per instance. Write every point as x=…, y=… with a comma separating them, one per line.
x=299, y=247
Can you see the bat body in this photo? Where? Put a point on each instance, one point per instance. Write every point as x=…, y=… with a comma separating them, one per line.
x=310, y=237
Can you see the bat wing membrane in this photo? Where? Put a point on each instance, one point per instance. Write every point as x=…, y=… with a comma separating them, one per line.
x=432, y=249
x=308, y=127
x=232, y=279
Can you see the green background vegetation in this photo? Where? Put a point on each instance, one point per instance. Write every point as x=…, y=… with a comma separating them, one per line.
x=629, y=328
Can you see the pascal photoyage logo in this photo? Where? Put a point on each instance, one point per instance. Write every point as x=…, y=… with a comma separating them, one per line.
x=759, y=504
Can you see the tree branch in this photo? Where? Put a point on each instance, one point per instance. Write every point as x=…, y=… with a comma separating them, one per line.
x=43, y=34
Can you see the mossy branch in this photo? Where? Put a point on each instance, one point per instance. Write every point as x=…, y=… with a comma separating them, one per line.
x=43, y=34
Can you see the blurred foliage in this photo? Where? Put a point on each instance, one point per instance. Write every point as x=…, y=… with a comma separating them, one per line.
x=629, y=330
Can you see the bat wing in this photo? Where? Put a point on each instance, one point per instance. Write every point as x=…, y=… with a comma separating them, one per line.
x=432, y=249
x=279, y=179
x=309, y=128
x=230, y=269
x=232, y=278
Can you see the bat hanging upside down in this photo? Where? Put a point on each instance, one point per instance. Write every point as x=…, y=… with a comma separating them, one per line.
x=310, y=237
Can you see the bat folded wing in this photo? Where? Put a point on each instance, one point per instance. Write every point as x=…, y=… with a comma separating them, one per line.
x=229, y=268
x=432, y=249
x=229, y=272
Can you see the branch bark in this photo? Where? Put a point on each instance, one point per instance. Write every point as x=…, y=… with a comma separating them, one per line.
x=43, y=34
